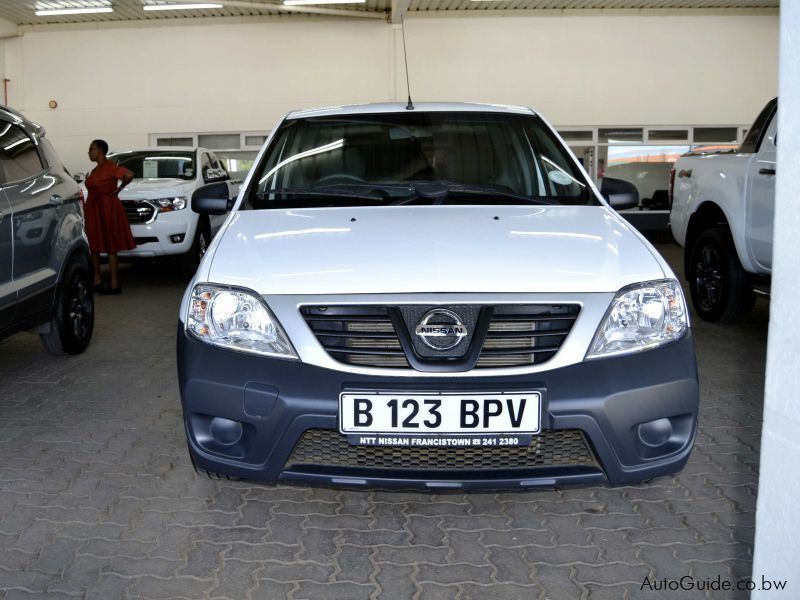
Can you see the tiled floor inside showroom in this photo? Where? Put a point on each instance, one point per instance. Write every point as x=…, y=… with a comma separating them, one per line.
x=98, y=498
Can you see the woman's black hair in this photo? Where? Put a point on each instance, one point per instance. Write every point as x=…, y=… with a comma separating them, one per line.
x=102, y=144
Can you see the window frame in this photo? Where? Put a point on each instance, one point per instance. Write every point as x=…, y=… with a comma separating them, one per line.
x=546, y=131
x=42, y=160
x=195, y=138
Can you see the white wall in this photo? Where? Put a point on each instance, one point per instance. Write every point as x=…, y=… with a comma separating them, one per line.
x=595, y=68
x=7, y=30
x=123, y=83
x=599, y=69
x=777, y=549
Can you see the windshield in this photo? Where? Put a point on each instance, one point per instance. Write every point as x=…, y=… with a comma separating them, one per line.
x=416, y=158
x=155, y=164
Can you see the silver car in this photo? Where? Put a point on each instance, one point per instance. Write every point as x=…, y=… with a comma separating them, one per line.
x=45, y=281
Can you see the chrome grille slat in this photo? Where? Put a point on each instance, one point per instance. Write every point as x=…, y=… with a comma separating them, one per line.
x=349, y=318
x=509, y=342
x=139, y=211
x=376, y=326
x=517, y=350
x=502, y=326
x=375, y=344
x=375, y=335
x=371, y=351
x=536, y=319
x=498, y=335
x=496, y=362
x=385, y=362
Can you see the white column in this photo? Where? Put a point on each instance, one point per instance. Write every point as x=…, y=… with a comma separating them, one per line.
x=777, y=545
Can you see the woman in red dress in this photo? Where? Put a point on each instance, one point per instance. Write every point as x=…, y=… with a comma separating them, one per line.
x=106, y=222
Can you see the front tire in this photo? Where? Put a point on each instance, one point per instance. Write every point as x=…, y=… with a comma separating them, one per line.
x=719, y=286
x=72, y=323
x=191, y=260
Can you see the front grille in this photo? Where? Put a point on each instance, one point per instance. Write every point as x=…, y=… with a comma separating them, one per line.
x=139, y=211
x=357, y=335
x=321, y=448
x=518, y=334
x=526, y=334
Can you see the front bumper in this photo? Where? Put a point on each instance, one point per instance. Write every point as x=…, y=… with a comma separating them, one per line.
x=156, y=238
x=277, y=402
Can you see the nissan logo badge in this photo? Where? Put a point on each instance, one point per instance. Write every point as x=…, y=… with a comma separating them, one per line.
x=441, y=329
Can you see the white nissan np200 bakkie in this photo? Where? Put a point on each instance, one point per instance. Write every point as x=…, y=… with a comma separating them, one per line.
x=435, y=297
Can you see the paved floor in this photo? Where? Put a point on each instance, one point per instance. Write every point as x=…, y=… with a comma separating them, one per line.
x=98, y=498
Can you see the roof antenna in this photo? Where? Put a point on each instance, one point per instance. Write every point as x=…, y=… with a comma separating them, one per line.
x=410, y=105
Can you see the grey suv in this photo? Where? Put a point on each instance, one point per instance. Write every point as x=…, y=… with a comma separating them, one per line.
x=45, y=284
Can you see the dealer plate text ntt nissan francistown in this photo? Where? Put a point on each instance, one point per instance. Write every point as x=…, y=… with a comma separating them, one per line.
x=436, y=297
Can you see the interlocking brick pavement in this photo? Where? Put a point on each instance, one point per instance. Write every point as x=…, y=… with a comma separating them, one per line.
x=98, y=499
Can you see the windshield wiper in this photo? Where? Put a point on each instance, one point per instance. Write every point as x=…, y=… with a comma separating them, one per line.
x=439, y=191
x=383, y=190
x=463, y=188
x=316, y=193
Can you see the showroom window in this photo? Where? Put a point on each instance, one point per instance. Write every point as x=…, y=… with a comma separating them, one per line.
x=644, y=155
x=577, y=135
x=237, y=150
x=175, y=141
x=220, y=141
x=620, y=135
x=662, y=135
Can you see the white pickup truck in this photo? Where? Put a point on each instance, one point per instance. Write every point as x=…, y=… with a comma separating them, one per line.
x=157, y=202
x=723, y=206
x=431, y=296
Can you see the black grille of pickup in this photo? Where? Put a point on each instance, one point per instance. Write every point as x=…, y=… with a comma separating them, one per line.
x=139, y=211
x=321, y=448
x=144, y=240
x=517, y=335
x=525, y=334
x=357, y=335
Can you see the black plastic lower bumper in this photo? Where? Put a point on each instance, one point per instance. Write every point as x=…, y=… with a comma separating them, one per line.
x=637, y=413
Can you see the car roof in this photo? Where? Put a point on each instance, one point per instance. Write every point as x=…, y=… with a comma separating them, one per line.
x=158, y=149
x=17, y=117
x=401, y=107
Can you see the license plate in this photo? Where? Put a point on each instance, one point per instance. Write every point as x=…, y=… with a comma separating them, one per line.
x=440, y=413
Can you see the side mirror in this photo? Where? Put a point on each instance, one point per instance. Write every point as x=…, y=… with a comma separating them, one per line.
x=211, y=175
x=619, y=193
x=212, y=199
x=79, y=177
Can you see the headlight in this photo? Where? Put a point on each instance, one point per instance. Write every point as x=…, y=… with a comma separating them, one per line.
x=641, y=317
x=170, y=204
x=237, y=320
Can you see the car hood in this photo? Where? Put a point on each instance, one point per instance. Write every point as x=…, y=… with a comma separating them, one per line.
x=407, y=249
x=156, y=188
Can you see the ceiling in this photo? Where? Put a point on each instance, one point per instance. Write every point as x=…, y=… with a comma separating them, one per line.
x=22, y=12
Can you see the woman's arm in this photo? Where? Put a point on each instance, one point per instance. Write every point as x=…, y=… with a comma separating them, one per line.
x=127, y=177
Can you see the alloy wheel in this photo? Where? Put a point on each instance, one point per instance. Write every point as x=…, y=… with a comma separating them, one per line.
x=708, y=279
x=79, y=307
